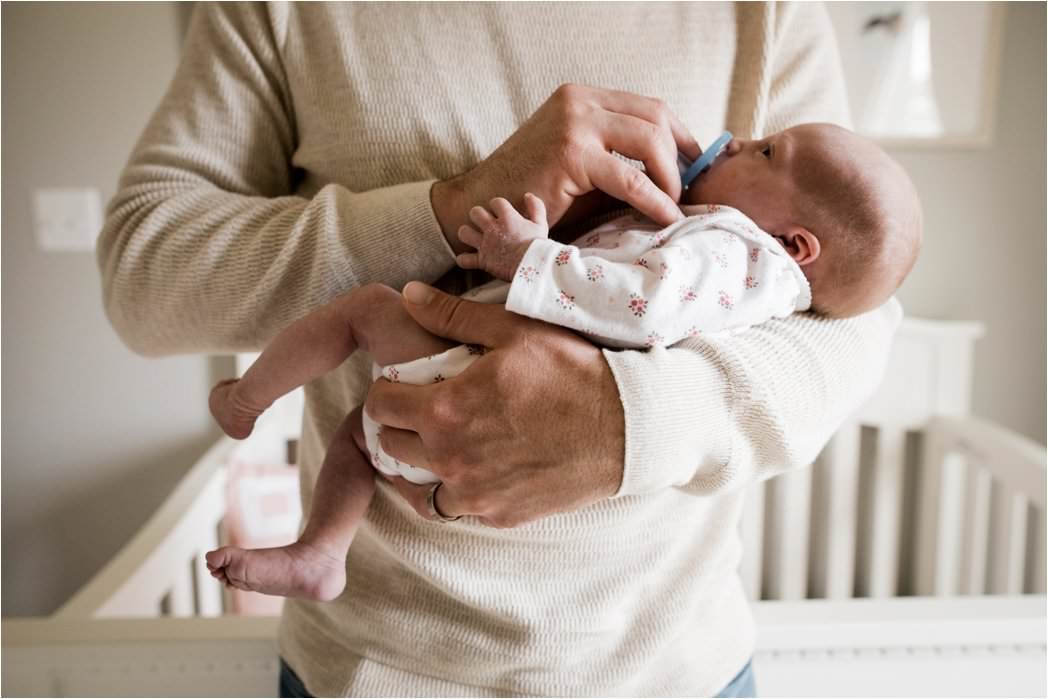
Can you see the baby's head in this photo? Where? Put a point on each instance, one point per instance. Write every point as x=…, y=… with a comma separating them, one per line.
x=845, y=211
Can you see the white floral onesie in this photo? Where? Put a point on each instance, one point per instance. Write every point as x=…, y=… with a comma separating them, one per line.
x=631, y=284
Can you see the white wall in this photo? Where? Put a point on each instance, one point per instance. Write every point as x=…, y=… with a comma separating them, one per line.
x=96, y=436
x=984, y=246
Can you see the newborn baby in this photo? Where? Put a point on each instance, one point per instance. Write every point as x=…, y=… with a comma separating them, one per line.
x=813, y=217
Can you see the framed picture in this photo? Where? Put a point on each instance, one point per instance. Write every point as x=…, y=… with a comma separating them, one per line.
x=921, y=73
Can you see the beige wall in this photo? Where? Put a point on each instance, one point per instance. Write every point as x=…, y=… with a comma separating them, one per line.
x=984, y=246
x=96, y=436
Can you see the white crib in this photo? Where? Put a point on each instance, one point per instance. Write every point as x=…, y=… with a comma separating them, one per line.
x=909, y=561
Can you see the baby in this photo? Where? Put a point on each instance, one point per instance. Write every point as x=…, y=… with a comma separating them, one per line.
x=812, y=218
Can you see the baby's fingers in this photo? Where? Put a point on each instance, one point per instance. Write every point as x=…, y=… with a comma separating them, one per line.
x=503, y=209
x=482, y=219
x=470, y=236
x=468, y=260
x=535, y=208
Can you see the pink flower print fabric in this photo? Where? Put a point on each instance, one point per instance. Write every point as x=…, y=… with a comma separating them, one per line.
x=654, y=340
x=426, y=370
x=638, y=305
x=712, y=272
x=565, y=300
x=527, y=273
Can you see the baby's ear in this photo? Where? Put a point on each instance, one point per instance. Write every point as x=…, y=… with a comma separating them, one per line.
x=800, y=243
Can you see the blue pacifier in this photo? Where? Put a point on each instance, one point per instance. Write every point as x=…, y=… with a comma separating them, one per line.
x=689, y=170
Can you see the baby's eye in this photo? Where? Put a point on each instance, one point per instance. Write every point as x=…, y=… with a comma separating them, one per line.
x=766, y=151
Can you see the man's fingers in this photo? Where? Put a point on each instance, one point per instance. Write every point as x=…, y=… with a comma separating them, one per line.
x=649, y=143
x=397, y=405
x=416, y=496
x=655, y=111
x=405, y=446
x=463, y=321
x=632, y=186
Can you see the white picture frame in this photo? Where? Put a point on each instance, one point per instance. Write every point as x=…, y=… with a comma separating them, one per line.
x=921, y=74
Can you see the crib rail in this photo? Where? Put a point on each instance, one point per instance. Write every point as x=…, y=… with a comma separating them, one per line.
x=983, y=496
x=161, y=571
x=990, y=646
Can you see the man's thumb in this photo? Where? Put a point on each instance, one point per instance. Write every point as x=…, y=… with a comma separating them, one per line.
x=454, y=318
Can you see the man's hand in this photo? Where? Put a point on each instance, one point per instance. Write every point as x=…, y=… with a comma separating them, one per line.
x=533, y=427
x=502, y=236
x=564, y=152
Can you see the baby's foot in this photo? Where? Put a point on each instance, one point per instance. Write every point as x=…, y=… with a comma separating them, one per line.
x=297, y=570
x=235, y=418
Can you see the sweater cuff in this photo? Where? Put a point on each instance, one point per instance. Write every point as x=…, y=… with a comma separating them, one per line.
x=677, y=410
x=403, y=237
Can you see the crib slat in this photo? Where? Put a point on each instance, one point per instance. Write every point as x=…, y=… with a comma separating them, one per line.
x=182, y=594
x=975, y=531
x=886, y=512
x=786, y=534
x=835, y=515
x=751, y=532
x=1008, y=543
x=1035, y=541
x=940, y=493
x=208, y=590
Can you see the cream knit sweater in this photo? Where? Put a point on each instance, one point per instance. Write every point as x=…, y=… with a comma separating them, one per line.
x=292, y=159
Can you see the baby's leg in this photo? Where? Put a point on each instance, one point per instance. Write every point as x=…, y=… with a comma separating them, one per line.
x=372, y=317
x=314, y=567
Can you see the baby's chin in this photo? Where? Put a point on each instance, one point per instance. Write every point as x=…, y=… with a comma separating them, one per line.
x=692, y=196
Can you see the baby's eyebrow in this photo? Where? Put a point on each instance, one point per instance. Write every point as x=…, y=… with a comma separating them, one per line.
x=782, y=147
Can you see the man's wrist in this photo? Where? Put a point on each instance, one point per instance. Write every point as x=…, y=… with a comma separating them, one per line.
x=450, y=206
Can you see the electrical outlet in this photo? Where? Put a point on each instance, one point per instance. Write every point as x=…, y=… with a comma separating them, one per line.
x=67, y=219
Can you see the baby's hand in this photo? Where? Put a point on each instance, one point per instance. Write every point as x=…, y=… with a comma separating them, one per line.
x=502, y=236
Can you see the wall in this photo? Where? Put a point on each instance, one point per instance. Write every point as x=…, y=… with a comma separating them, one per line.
x=94, y=436
x=984, y=247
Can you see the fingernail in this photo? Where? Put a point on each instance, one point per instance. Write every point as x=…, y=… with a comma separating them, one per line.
x=418, y=293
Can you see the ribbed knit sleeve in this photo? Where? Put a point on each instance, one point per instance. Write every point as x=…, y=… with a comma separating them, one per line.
x=712, y=415
x=206, y=247
x=719, y=413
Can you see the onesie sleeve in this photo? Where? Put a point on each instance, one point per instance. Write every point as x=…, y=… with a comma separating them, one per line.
x=208, y=244
x=692, y=279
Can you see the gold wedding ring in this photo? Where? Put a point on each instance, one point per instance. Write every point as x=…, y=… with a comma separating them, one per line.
x=431, y=505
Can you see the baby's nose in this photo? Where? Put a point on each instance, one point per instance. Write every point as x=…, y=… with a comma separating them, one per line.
x=733, y=147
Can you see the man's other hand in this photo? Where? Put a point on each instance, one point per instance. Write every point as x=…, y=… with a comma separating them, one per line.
x=533, y=427
x=564, y=152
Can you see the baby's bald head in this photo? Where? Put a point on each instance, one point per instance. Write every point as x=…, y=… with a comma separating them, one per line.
x=865, y=212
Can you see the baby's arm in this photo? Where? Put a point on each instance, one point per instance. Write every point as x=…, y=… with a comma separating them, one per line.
x=675, y=283
x=502, y=236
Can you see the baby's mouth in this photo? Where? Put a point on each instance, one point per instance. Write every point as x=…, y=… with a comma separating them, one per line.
x=691, y=171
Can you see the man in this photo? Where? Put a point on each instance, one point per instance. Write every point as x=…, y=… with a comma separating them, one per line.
x=303, y=150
